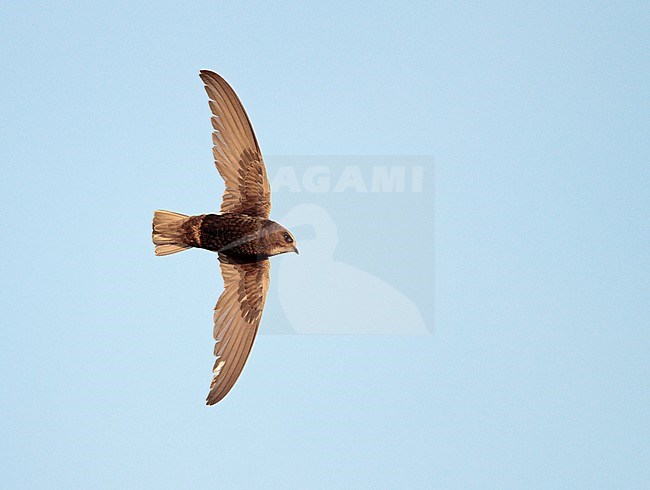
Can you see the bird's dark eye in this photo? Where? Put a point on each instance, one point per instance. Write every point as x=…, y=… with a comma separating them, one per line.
x=287, y=238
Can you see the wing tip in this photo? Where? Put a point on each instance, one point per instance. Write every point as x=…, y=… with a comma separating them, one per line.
x=214, y=397
x=210, y=76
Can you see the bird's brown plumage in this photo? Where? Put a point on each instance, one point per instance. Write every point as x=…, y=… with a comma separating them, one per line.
x=241, y=234
x=236, y=319
x=236, y=152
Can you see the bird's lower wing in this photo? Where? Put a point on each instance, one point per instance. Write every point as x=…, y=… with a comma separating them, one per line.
x=237, y=316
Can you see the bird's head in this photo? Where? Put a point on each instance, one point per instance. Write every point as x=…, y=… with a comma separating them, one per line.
x=278, y=239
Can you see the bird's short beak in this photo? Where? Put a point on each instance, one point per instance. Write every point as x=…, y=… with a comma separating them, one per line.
x=295, y=249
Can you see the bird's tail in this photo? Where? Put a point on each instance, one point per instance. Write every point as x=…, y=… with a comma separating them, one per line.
x=168, y=232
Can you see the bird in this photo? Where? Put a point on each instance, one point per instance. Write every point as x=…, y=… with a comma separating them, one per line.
x=241, y=234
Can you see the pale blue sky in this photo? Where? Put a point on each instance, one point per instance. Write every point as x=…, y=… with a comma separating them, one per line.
x=537, y=373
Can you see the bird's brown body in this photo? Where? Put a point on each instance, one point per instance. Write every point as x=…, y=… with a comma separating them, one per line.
x=241, y=234
x=238, y=238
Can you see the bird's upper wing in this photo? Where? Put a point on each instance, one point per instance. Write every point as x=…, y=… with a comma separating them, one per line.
x=236, y=318
x=236, y=152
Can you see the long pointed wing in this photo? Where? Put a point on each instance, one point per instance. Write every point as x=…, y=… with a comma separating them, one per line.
x=236, y=319
x=236, y=152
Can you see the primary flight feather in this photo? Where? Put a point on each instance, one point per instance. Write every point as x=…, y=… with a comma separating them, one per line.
x=241, y=234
